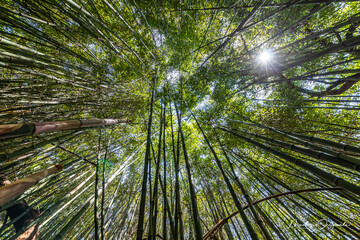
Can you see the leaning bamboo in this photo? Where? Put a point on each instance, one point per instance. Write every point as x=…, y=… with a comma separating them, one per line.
x=316, y=154
x=9, y=192
x=22, y=152
x=72, y=222
x=306, y=140
x=21, y=129
x=328, y=177
x=223, y=221
x=244, y=217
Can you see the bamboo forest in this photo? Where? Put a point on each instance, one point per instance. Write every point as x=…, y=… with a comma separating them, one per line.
x=178, y=120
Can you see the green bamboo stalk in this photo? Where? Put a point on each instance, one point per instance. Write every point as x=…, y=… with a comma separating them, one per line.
x=72, y=222
x=178, y=225
x=167, y=208
x=66, y=199
x=140, y=229
x=24, y=151
x=96, y=192
x=103, y=190
x=154, y=199
x=319, y=208
x=299, y=138
x=328, y=177
x=309, y=152
x=269, y=222
x=165, y=202
x=245, y=219
x=194, y=207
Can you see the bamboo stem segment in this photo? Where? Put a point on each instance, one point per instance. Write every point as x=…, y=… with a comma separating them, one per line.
x=9, y=192
x=21, y=129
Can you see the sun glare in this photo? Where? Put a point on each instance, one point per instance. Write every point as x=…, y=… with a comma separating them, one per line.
x=265, y=56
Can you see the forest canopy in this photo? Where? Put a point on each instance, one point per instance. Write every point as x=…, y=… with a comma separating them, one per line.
x=215, y=119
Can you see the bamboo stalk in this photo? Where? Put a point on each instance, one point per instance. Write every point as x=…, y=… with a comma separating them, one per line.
x=9, y=192
x=328, y=177
x=140, y=227
x=301, y=139
x=309, y=152
x=244, y=217
x=194, y=205
x=165, y=202
x=223, y=221
x=96, y=192
x=72, y=222
x=26, y=129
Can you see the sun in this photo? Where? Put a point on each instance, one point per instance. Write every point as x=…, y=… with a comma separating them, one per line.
x=265, y=56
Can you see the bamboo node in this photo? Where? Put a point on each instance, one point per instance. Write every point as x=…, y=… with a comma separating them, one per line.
x=59, y=166
x=336, y=180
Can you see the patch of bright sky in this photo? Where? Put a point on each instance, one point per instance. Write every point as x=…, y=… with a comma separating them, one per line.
x=203, y=104
x=260, y=93
x=224, y=29
x=201, y=62
x=8, y=29
x=159, y=38
x=212, y=87
x=237, y=43
x=173, y=76
x=311, y=84
x=94, y=48
x=110, y=73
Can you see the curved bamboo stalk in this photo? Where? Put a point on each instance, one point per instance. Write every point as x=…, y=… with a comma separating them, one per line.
x=223, y=221
x=336, y=219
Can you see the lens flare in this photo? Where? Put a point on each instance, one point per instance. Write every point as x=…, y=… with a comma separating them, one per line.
x=265, y=57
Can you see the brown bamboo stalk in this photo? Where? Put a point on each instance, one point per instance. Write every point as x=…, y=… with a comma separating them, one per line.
x=10, y=191
x=21, y=129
